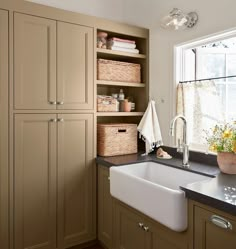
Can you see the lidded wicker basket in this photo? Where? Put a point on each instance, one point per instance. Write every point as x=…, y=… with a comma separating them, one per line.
x=116, y=139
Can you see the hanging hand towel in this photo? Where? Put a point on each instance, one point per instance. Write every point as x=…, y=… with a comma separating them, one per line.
x=149, y=128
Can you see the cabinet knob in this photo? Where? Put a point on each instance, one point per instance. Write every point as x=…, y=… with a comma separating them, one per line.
x=53, y=120
x=60, y=103
x=221, y=222
x=60, y=120
x=52, y=102
x=140, y=224
x=146, y=229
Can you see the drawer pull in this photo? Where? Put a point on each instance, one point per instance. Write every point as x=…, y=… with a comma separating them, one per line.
x=146, y=229
x=221, y=222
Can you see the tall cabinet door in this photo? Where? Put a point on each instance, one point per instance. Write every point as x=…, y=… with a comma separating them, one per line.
x=35, y=181
x=76, y=214
x=4, y=130
x=74, y=66
x=34, y=62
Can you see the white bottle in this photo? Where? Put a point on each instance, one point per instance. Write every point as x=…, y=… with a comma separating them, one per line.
x=121, y=95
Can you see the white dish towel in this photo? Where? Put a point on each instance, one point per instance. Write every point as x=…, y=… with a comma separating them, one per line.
x=149, y=128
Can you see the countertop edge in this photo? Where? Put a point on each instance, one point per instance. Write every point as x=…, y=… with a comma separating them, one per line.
x=209, y=201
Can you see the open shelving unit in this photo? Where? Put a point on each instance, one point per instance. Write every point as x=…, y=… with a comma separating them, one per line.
x=137, y=90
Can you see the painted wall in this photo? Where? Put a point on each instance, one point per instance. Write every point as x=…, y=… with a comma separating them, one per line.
x=214, y=16
x=108, y=9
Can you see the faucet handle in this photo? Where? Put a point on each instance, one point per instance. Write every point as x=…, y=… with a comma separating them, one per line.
x=180, y=146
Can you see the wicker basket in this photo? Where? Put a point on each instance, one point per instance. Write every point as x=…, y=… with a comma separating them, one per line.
x=116, y=139
x=118, y=71
x=107, y=104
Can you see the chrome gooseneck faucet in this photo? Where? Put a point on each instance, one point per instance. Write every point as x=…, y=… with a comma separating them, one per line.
x=183, y=148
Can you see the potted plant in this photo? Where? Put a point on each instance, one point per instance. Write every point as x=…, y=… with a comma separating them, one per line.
x=222, y=139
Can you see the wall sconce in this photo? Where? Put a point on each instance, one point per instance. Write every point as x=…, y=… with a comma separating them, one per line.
x=177, y=20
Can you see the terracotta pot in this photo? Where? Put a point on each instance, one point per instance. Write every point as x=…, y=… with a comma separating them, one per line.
x=227, y=162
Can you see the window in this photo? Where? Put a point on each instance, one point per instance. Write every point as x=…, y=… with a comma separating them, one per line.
x=206, y=60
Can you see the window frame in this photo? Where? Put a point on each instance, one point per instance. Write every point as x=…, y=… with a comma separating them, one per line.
x=179, y=69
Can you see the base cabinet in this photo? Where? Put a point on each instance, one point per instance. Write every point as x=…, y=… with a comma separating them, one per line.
x=129, y=230
x=133, y=230
x=213, y=229
x=53, y=190
x=105, y=207
x=122, y=227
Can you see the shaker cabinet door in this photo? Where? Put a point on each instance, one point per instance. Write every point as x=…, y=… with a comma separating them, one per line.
x=211, y=231
x=105, y=214
x=75, y=88
x=128, y=232
x=35, y=181
x=76, y=181
x=4, y=224
x=34, y=62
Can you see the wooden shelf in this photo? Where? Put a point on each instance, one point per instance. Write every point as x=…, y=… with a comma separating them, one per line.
x=120, y=53
x=117, y=83
x=117, y=114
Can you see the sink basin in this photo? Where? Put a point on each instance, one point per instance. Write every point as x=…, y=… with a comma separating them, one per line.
x=153, y=189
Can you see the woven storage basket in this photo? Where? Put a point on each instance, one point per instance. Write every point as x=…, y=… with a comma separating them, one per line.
x=106, y=104
x=116, y=139
x=118, y=71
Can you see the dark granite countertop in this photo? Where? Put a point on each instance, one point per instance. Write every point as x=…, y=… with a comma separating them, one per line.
x=218, y=192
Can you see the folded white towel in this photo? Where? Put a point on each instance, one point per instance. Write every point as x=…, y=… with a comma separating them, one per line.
x=149, y=128
x=120, y=44
x=129, y=50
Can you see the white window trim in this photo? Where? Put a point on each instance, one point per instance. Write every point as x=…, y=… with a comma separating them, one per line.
x=178, y=66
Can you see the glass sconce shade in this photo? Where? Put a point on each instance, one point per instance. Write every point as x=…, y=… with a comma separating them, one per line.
x=177, y=20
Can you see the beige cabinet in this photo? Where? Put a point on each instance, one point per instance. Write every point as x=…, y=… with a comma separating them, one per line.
x=160, y=237
x=77, y=207
x=213, y=229
x=53, y=190
x=35, y=181
x=4, y=224
x=133, y=230
x=53, y=64
x=74, y=66
x=105, y=207
x=128, y=228
x=34, y=62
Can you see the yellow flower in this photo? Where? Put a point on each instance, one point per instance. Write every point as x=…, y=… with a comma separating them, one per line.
x=213, y=148
x=227, y=134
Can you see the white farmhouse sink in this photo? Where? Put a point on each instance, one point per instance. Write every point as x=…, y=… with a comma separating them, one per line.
x=153, y=189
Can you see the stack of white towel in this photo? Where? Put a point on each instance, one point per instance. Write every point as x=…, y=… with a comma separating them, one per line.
x=122, y=45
